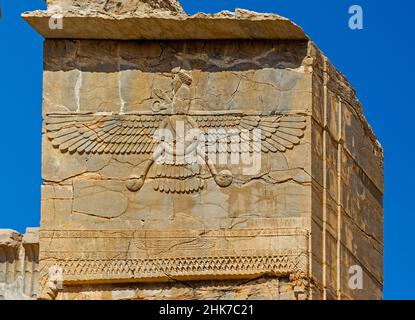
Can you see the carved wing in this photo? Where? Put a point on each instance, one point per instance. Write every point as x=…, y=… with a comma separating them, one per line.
x=114, y=134
x=277, y=133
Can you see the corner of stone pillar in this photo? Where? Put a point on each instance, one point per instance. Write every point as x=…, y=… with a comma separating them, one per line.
x=346, y=157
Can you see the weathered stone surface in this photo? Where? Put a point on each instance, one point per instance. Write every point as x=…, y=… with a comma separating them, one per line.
x=257, y=289
x=123, y=77
x=347, y=198
x=116, y=7
x=10, y=238
x=290, y=227
x=19, y=264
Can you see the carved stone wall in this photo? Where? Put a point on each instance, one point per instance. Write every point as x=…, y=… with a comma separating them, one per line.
x=175, y=227
x=19, y=264
x=118, y=224
x=347, y=162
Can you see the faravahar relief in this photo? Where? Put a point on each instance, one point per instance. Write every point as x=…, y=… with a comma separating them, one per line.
x=179, y=143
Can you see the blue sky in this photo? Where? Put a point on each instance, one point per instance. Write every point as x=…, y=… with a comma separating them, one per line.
x=377, y=61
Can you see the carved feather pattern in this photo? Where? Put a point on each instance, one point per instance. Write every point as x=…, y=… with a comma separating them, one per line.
x=169, y=185
x=114, y=134
x=278, y=133
x=178, y=178
x=133, y=133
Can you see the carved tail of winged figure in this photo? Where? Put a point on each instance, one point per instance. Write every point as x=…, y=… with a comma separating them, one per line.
x=174, y=172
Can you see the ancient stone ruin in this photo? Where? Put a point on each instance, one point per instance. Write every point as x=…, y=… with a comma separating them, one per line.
x=282, y=194
x=19, y=264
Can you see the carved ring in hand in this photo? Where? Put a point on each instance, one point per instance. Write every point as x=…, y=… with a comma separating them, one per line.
x=224, y=178
x=134, y=183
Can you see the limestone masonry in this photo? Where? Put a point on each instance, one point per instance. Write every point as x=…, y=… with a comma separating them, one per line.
x=119, y=223
x=19, y=264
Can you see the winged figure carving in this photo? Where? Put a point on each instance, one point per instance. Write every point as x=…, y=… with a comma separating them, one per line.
x=136, y=133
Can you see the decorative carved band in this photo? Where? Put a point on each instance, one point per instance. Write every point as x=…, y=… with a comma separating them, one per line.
x=286, y=226
x=86, y=270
